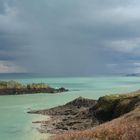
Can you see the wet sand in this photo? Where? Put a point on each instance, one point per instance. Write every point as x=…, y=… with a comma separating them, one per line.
x=36, y=135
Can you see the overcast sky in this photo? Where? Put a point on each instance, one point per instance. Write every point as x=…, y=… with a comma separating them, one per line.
x=70, y=37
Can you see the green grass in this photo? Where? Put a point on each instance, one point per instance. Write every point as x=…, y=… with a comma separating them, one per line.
x=16, y=85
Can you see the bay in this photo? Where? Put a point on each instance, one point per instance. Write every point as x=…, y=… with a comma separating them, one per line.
x=16, y=124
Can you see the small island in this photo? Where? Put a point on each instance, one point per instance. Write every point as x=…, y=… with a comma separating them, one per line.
x=16, y=88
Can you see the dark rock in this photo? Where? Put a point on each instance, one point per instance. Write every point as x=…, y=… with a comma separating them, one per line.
x=13, y=91
x=62, y=89
x=71, y=116
x=82, y=102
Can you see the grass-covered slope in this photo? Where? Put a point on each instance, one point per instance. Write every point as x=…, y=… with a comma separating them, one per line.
x=16, y=85
x=113, y=106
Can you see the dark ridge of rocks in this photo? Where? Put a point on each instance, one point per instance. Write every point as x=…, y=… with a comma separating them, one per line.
x=82, y=102
x=72, y=106
x=71, y=116
x=13, y=91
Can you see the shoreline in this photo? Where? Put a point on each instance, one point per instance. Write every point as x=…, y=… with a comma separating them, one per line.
x=36, y=135
x=25, y=91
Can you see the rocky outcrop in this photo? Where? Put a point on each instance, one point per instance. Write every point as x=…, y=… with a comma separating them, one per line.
x=14, y=91
x=71, y=116
x=113, y=106
x=118, y=116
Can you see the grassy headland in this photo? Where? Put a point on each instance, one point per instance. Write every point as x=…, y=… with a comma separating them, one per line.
x=113, y=117
x=118, y=116
x=13, y=87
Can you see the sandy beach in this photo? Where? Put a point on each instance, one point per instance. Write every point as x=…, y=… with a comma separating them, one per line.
x=36, y=135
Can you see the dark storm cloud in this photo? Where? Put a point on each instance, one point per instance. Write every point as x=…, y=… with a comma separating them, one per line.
x=13, y=37
x=2, y=9
x=11, y=41
x=75, y=37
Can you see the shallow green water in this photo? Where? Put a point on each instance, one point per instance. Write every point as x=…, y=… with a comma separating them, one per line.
x=16, y=124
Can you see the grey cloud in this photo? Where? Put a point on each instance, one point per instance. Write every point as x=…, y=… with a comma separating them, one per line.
x=2, y=9
x=71, y=37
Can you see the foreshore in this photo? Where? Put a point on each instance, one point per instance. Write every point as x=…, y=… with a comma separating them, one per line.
x=83, y=114
x=36, y=134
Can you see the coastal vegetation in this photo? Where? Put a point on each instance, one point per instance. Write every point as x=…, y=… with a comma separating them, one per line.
x=13, y=87
x=112, y=106
x=111, y=117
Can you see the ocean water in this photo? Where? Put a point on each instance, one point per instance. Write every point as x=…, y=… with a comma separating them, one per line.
x=16, y=124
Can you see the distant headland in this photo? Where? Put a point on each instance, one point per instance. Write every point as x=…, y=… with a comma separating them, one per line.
x=16, y=88
x=133, y=74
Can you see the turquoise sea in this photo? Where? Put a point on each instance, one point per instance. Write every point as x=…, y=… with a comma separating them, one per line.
x=16, y=124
